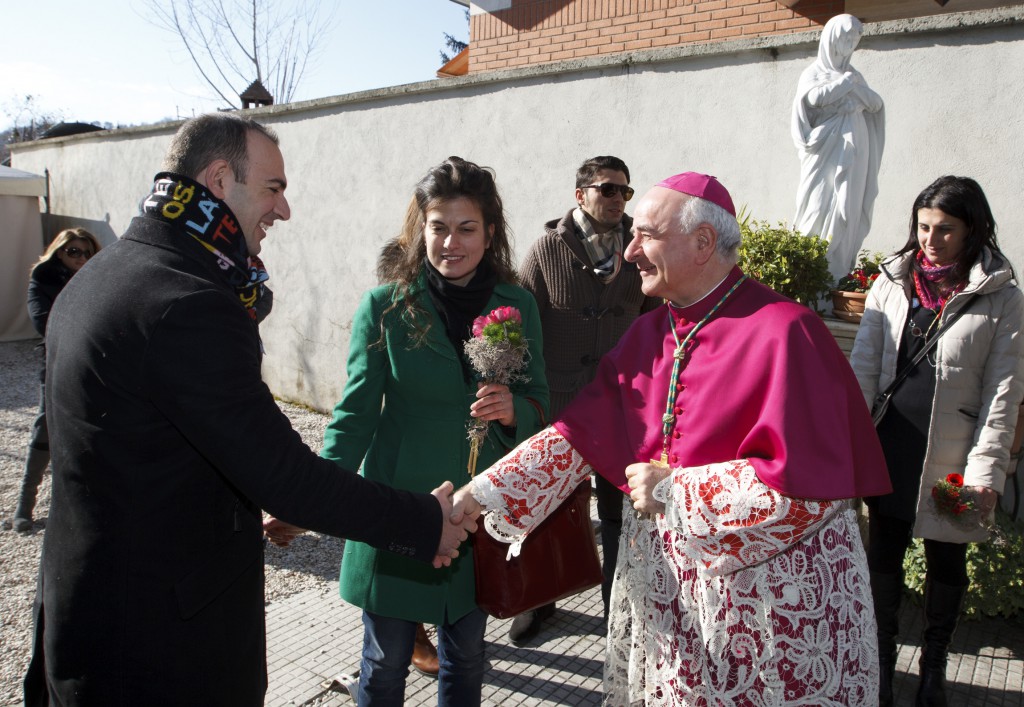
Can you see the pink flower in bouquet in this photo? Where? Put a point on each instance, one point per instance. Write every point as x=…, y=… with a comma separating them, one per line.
x=497, y=316
x=504, y=314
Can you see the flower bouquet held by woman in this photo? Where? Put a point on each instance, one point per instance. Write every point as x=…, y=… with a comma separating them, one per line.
x=497, y=352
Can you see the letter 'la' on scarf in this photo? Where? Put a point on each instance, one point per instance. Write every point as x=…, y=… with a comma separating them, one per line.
x=190, y=207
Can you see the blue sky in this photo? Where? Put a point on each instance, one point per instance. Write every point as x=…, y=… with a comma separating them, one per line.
x=102, y=61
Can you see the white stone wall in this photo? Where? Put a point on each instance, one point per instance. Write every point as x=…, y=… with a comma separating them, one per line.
x=953, y=97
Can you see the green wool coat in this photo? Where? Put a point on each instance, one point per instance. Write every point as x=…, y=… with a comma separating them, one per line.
x=403, y=416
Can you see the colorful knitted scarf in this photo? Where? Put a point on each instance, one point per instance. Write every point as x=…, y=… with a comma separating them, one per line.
x=187, y=205
x=931, y=282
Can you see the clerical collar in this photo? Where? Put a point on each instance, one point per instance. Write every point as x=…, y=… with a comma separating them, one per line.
x=696, y=310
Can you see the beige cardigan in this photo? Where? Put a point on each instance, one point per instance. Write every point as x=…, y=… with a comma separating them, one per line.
x=978, y=385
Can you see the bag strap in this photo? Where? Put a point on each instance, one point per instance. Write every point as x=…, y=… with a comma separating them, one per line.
x=926, y=348
x=540, y=411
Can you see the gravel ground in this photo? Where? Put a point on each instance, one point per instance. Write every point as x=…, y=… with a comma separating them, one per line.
x=312, y=561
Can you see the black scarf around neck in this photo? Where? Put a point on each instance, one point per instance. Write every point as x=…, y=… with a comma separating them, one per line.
x=458, y=305
x=192, y=209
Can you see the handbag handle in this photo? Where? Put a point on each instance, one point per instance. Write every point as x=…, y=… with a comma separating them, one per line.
x=924, y=350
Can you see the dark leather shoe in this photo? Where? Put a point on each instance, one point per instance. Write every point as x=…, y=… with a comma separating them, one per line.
x=424, y=655
x=526, y=626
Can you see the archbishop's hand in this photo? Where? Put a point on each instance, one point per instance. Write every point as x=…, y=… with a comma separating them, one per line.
x=642, y=479
x=453, y=531
x=281, y=533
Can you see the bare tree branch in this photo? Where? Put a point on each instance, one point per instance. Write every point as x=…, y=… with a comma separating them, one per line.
x=233, y=42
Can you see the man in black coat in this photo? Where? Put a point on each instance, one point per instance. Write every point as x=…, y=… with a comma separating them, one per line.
x=167, y=444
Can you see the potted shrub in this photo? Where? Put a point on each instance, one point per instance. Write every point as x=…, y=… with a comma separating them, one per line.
x=852, y=289
x=789, y=263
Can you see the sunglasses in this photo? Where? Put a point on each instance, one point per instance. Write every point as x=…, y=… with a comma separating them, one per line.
x=608, y=190
x=73, y=252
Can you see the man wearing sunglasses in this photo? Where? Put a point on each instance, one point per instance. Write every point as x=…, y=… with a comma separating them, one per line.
x=588, y=296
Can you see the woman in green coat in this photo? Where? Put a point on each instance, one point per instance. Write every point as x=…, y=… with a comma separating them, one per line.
x=409, y=397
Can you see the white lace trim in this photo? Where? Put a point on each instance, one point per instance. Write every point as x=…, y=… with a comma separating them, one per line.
x=740, y=595
x=737, y=595
x=538, y=474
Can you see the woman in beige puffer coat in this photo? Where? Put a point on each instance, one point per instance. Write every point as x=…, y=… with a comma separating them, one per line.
x=954, y=413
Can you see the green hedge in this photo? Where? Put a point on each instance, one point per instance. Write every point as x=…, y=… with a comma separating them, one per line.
x=789, y=263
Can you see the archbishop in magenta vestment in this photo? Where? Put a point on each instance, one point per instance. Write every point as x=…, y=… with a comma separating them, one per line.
x=752, y=588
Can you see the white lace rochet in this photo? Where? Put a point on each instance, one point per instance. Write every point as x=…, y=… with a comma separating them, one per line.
x=736, y=595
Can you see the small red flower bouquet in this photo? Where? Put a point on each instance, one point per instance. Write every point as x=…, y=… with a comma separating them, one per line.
x=953, y=503
x=497, y=352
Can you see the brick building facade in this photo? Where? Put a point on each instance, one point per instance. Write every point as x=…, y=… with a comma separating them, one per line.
x=506, y=34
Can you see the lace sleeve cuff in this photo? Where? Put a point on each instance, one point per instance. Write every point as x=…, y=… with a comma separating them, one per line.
x=525, y=486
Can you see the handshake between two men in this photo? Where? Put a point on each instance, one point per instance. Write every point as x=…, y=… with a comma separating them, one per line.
x=460, y=510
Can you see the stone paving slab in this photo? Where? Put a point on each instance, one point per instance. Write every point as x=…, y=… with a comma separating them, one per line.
x=313, y=636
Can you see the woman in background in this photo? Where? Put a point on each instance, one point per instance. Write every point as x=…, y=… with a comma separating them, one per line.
x=403, y=418
x=954, y=413
x=65, y=256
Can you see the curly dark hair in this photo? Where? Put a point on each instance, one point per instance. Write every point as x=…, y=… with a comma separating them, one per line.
x=401, y=259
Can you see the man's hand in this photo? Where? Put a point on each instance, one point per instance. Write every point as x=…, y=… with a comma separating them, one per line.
x=642, y=479
x=465, y=506
x=281, y=533
x=453, y=532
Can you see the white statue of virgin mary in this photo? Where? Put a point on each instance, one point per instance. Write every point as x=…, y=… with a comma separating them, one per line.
x=839, y=129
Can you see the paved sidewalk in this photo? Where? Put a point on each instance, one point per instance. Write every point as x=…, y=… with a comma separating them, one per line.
x=314, y=636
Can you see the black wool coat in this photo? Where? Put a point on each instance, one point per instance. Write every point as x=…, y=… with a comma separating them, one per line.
x=166, y=444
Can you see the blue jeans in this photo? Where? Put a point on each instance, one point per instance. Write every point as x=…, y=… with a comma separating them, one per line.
x=387, y=650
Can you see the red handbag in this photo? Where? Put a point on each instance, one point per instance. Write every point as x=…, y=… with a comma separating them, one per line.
x=558, y=559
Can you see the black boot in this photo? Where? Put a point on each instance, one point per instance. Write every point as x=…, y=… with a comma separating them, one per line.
x=942, y=604
x=527, y=625
x=886, y=590
x=35, y=465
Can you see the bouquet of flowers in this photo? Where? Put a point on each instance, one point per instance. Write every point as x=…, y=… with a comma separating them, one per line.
x=863, y=275
x=498, y=353
x=952, y=502
x=950, y=499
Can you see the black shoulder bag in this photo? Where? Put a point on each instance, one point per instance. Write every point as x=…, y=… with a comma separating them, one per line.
x=881, y=404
